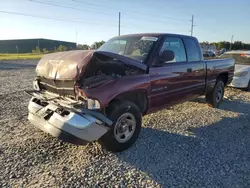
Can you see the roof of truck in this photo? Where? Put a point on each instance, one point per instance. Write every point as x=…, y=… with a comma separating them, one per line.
x=154, y=35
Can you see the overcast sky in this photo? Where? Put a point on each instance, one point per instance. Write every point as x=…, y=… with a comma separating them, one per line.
x=98, y=20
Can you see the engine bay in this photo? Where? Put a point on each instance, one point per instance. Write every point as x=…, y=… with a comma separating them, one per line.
x=104, y=68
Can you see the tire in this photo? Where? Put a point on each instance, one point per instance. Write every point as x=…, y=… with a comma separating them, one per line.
x=216, y=96
x=127, y=119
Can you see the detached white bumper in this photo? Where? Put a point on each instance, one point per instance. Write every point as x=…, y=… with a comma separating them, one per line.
x=240, y=82
x=63, y=123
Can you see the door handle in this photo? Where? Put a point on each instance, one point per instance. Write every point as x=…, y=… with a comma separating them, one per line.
x=189, y=70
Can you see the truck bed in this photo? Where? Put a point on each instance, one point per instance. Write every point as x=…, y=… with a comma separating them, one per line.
x=215, y=67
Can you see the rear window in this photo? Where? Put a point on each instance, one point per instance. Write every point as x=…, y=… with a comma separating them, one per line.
x=193, y=51
x=239, y=58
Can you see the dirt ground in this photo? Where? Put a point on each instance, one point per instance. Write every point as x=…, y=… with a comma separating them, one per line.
x=189, y=145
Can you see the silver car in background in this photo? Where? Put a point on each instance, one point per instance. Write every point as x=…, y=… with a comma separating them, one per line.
x=241, y=77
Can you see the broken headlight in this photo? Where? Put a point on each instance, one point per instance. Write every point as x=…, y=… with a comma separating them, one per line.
x=93, y=104
x=36, y=85
x=89, y=103
x=241, y=74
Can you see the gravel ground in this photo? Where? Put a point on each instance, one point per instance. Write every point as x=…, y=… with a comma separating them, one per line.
x=189, y=145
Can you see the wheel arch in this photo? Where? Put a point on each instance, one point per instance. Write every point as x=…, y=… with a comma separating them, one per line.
x=138, y=97
x=224, y=77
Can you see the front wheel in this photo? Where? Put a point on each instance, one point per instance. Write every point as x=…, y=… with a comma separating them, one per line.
x=126, y=117
x=216, y=96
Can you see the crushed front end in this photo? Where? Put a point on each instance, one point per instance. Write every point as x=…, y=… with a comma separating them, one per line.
x=59, y=104
x=58, y=117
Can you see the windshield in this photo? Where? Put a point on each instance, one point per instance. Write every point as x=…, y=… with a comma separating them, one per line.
x=239, y=58
x=134, y=47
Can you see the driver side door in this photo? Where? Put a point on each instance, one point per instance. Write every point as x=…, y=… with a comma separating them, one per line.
x=170, y=81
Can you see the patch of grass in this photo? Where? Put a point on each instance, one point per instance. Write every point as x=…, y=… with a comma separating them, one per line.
x=5, y=56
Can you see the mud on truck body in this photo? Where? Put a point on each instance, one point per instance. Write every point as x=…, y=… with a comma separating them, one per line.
x=83, y=96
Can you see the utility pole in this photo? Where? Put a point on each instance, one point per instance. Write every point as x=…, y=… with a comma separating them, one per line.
x=231, y=42
x=38, y=44
x=192, y=25
x=119, y=25
x=76, y=37
x=17, y=52
x=38, y=48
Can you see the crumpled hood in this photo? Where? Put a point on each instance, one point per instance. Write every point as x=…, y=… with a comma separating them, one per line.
x=64, y=65
x=70, y=65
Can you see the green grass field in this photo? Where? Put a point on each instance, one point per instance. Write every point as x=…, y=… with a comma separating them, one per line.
x=20, y=56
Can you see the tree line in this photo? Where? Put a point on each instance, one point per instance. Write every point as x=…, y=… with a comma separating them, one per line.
x=95, y=45
x=61, y=48
x=237, y=45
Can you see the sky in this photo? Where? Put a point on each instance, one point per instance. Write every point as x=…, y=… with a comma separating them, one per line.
x=86, y=21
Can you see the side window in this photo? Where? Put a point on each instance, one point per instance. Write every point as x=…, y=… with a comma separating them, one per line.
x=176, y=45
x=193, y=51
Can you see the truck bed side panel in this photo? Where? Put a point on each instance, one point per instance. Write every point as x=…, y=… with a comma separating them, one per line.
x=217, y=67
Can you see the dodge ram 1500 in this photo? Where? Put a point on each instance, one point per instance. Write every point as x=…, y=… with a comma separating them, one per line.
x=83, y=96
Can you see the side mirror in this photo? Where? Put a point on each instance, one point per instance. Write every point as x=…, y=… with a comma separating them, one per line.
x=166, y=55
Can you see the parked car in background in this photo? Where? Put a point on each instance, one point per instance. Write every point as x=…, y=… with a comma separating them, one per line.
x=218, y=52
x=241, y=77
x=209, y=53
x=102, y=95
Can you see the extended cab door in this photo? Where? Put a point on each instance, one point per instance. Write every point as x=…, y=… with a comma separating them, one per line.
x=172, y=82
x=197, y=65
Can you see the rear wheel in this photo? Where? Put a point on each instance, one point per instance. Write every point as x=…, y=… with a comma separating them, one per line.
x=126, y=127
x=216, y=96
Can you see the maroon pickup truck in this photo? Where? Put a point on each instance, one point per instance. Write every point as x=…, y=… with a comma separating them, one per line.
x=83, y=96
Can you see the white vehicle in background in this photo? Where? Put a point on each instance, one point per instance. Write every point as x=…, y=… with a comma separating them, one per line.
x=241, y=77
x=208, y=53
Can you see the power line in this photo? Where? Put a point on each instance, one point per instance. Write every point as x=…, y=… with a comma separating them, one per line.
x=125, y=10
x=69, y=7
x=59, y=19
x=151, y=20
x=96, y=5
x=80, y=9
x=74, y=21
x=211, y=32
